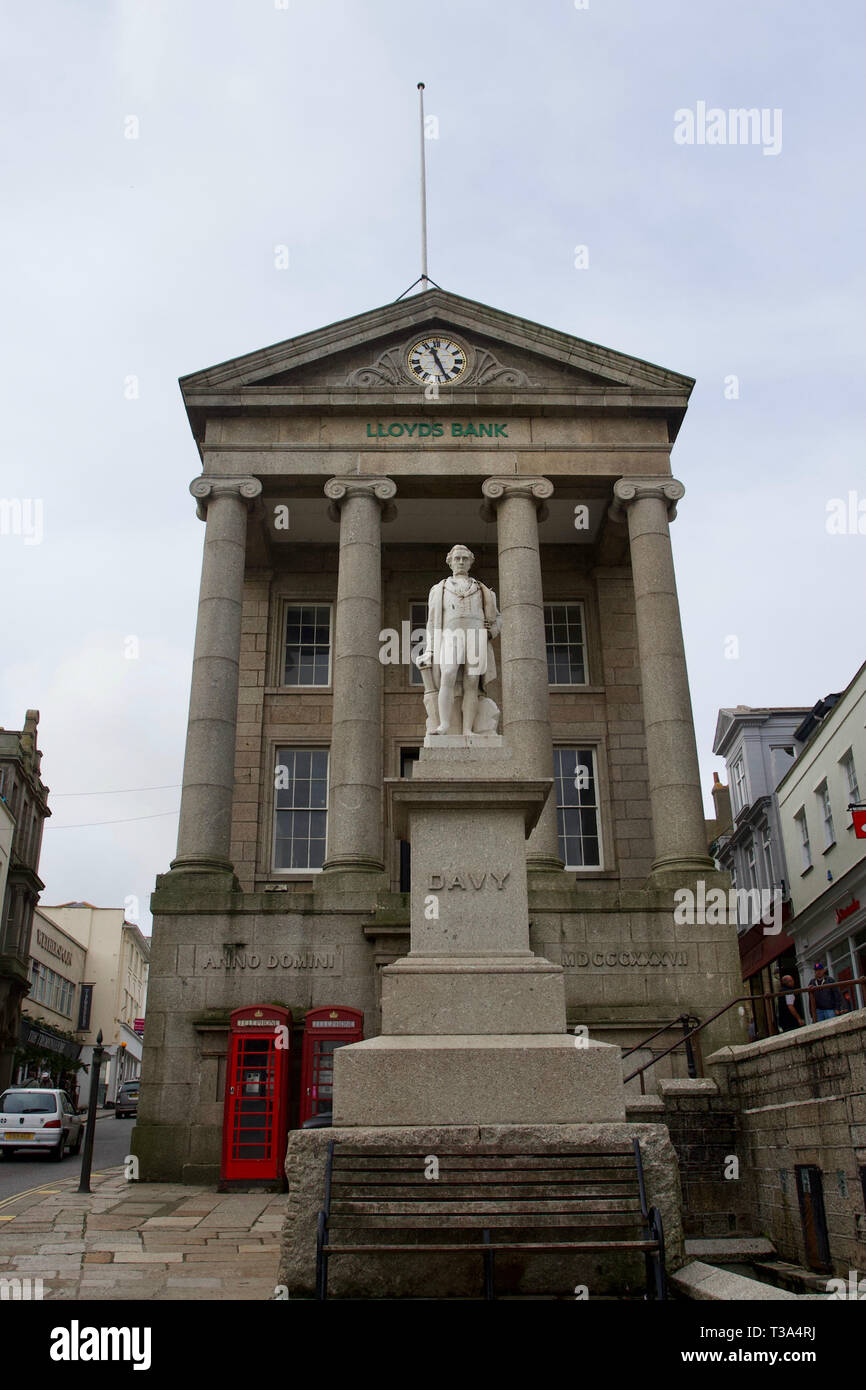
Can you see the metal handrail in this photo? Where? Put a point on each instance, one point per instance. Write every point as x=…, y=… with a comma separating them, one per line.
x=688, y=1035
x=681, y=1018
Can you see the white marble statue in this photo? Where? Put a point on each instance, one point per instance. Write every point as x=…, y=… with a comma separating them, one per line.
x=458, y=660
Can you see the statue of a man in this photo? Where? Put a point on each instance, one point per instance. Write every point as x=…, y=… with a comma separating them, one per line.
x=462, y=617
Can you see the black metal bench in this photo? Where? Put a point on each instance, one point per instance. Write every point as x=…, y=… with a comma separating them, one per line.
x=384, y=1201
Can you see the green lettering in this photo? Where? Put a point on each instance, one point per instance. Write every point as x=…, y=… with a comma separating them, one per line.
x=424, y=431
x=501, y=430
x=456, y=429
x=410, y=430
x=438, y=430
x=469, y=429
x=395, y=430
x=486, y=430
x=370, y=434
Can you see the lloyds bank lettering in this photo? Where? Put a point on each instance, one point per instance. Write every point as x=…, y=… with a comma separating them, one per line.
x=425, y=429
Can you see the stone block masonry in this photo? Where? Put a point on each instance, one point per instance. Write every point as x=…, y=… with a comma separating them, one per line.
x=801, y=1099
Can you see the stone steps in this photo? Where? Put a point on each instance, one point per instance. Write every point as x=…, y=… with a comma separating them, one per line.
x=709, y=1283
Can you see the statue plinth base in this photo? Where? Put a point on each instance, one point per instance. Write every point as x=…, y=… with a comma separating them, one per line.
x=473, y=1022
x=463, y=741
x=520, y=1079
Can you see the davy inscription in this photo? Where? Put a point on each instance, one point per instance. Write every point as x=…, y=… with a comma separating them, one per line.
x=445, y=882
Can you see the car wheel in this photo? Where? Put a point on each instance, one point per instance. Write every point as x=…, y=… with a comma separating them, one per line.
x=76, y=1148
x=56, y=1154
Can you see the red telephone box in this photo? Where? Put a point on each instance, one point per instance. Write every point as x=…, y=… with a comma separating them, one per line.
x=324, y=1031
x=256, y=1121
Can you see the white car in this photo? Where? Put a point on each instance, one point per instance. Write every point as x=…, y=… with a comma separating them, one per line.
x=42, y=1121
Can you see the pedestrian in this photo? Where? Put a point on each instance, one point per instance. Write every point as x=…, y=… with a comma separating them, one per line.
x=788, y=1016
x=825, y=994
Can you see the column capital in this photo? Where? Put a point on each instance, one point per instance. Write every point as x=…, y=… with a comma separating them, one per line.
x=628, y=490
x=381, y=489
x=505, y=485
x=205, y=490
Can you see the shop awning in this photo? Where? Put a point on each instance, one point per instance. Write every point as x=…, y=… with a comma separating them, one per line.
x=37, y=1035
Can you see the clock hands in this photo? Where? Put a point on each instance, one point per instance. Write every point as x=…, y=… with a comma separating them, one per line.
x=438, y=363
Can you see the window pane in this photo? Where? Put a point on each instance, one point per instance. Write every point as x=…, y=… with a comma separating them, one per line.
x=566, y=659
x=308, y=645
x=300, y=829
x=577, y=807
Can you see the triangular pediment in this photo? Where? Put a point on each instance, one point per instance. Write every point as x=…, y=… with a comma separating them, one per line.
x=369, y=352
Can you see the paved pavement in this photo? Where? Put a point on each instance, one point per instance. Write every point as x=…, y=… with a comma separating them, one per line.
x=142, y=1240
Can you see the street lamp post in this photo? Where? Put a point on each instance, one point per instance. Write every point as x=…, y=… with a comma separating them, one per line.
x=90, y=1127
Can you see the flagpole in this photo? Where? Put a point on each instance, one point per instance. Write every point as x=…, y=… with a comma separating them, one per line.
x=424, y=277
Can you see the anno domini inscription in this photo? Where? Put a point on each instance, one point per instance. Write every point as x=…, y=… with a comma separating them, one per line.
x=323, y=958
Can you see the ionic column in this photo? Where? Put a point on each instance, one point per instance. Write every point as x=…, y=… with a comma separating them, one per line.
x=204, y=834
x=518, y=504
x=672, y=756
x=355, y=780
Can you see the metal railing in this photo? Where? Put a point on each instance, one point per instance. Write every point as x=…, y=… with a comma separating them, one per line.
x=686, y=1022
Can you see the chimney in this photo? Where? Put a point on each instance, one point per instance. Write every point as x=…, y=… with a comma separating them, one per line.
x=722, y=804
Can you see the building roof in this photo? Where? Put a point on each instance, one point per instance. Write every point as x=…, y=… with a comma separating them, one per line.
x=812, y=728
x=286, y=373
x=731, y=716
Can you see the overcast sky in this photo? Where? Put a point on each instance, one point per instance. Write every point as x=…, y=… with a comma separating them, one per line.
x=264, y=124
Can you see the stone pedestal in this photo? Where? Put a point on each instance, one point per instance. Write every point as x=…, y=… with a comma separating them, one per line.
x=473, y=1023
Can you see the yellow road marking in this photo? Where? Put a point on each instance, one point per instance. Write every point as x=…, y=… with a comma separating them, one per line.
x=51, y=1191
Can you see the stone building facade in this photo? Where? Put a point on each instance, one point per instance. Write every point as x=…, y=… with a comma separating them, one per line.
x=826, y=858
x=336, y=474
x=51, y=1011
x=26, y=798
x=113, y=988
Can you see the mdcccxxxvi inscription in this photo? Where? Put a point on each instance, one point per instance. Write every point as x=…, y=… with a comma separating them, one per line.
x=466, y=880
x=664, y=959
x=326, y=959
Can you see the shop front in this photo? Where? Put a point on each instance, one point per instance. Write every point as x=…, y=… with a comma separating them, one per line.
x=765, y=958
x=833, y=930
x=46, y=1058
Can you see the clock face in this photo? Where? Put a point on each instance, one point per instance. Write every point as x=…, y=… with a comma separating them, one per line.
x=437, y=359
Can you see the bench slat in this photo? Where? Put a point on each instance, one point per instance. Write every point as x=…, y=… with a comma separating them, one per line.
x=526, y=1221
x=622, y=1149
x=648, y=1245
x=453, y=1192
x=480, y=1162
x=503, y=1177
x=470, y=1206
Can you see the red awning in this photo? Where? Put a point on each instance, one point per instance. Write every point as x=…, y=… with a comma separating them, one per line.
x=758, y=948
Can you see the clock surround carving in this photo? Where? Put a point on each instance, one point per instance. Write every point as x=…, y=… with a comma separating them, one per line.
x=483, y=368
